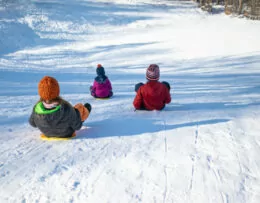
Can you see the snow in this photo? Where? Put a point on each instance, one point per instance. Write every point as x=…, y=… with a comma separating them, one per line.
x=204, y=147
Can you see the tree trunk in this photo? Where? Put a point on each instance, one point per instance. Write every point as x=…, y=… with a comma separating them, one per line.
x=240, y=6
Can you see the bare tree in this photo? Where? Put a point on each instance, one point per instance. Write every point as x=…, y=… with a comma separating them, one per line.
x=252, y=10
x=247, y=8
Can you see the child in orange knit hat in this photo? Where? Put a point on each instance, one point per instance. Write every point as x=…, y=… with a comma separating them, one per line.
x=54, y=116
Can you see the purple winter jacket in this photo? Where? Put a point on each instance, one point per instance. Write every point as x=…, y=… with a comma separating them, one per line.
x=101, y=88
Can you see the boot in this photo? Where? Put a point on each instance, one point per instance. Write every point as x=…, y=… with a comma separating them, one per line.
x=88, y=106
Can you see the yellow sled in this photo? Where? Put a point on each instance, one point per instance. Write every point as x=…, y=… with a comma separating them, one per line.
x=43, y=137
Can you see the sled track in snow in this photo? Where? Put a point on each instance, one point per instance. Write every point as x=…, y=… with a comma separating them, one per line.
x=165, y=164
x=194, y=157
x=163, y=120
x=242, y=184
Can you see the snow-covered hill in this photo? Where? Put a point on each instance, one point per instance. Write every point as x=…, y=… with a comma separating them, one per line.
x=204, y=147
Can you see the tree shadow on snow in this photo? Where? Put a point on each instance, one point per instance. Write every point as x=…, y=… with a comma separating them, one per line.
x=209, y=106
x=134, y=127
x=17, y=36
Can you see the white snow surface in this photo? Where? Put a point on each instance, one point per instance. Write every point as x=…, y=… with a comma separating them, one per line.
x=203, y=147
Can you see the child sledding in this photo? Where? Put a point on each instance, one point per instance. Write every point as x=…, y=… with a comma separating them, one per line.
x=101, y=87
x=54, y=116
x=153, y=95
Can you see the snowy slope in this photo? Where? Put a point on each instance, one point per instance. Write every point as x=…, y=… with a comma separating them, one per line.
x=204, y=147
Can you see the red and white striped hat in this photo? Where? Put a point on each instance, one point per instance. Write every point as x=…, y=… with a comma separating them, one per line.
x=153, y=72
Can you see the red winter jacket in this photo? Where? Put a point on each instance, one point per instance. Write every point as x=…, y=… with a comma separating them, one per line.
x=152, y=96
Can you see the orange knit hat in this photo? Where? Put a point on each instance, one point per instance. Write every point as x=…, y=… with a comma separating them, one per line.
x=48, y=88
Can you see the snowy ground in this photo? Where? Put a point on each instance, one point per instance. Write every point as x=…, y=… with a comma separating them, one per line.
x=204, y=147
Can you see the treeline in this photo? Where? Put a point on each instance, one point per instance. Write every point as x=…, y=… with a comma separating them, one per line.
x=247, y=8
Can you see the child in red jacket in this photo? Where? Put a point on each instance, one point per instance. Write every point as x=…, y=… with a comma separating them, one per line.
x=154, y=94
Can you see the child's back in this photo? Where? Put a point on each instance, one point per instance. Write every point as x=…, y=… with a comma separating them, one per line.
x=102, y=87
x=54, y=116
x=154, y=94
x=61, y=121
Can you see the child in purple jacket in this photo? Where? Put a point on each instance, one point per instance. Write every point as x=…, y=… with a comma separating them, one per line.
x=102, y=87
